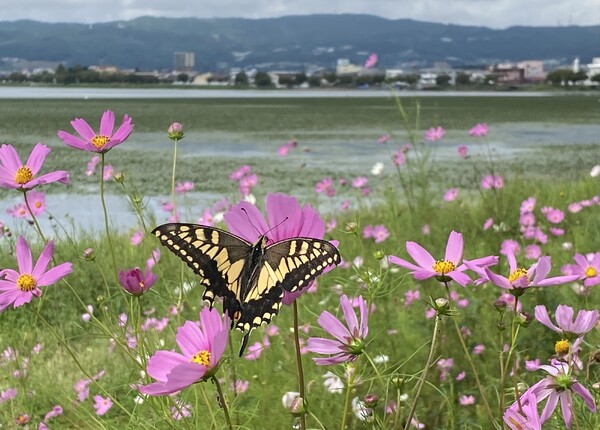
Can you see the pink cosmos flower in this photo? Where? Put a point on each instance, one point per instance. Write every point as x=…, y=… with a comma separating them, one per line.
x=325, y=186
x=520, y=279
x=20, y=287
x=108, y=172
x=435, y=133
x=184, y=187
x=443, y=270
x=533, y=252
x=349, y=341
x=8, y=394
x=528, y=205
x=555, y=216
x=181, y=411
x=555, y=231
x=91, y=166
x=37, y=202
x=410, y=296
x=451, y=194
x=588, y=268
x=380, y=233
x=371, y=61
x=18, y=211
x=479, y=130
x=247, y=183
x=56, y=411
x=359, y=182
x=240, y=173
x=463, y=151
x=102, y=405
x=490, y=182
x=528, y=418
x=574, y=207
x=97, y=142
x=559, y=385
x=566, y=326
x=465, y=400
x=201, y=349
x=254, y=351
x=283, y=212
x=14, y=174
x=285, y=148
x=399, y=158
x=488, y=224
x=509, y=246
x=136, y=282
x=137, y=237
x=384, y=138
x=176, y=131
x=240, y=386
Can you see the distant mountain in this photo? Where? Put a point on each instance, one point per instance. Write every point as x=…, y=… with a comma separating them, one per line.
x=292, y=42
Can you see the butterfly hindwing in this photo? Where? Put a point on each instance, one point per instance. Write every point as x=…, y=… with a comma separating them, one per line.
x=296, y=262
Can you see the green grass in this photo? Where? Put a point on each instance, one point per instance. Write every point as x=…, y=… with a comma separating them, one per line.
x=51, y=375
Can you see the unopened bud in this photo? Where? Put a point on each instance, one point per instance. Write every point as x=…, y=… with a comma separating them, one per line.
x=441, y=305
x=175, y=131
x=500, y=305
x=351, y=227
x=88, y=254
x=371, y=400
x=119, y=177
x=379, y=254
x=524, y=319
x=297, y=407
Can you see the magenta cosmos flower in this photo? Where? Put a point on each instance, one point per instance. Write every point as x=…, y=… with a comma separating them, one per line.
x=15, y=174
x=435, y=133
x=479, y=130
x=20, y=287
x=285, y=220
x=519, y=279
x=559, y=385
x=527, y=418
x=136, y=282
x=443, y=270
x=100, y=142
x=201, y=349
x=371, y=61
x=349, y=340
x=584, y=322
x=588, y=268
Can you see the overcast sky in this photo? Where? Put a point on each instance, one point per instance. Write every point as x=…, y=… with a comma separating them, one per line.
x=489, y=13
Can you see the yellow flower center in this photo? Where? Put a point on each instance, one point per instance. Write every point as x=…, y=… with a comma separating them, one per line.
x=517, y=274
x=561, y=347
x=23, y=175
x=201, y=357
x=38, y=204
x=443, y=267
x=590, y=272
x=99, y=141
x=26, y=282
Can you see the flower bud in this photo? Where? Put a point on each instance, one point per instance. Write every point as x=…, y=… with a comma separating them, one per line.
x=297, y=407
x=500, y=305
x=398, y=382
x=119, y=177
x=441, y=305
x=371, y=400
x=135, y=282
x=524, y=319
x=88, y=254
x=175, y=131
x=596, y=387
x=379, y=254
x=351, y=227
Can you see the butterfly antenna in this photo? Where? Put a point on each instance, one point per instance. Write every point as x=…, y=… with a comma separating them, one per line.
x=257, y=230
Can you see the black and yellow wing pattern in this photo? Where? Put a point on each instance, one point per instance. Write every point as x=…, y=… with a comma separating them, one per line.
x=250, y=278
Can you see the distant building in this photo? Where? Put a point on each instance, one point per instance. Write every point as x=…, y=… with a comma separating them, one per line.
x=594, y=67
x=345, y=67
x=533, y=70
x=185, y=61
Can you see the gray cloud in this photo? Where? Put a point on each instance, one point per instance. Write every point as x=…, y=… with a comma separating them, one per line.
x=489, y=13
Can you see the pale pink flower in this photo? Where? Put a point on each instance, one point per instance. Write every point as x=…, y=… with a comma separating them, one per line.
x=399, y=158
x=555, y=216
x=371, y=61
x=435, y=133
x=465, y=400
x=528, y=205
x=98, y=142
x=384, y=138
x=14, y=174
x=588, y=268
x=184, y=187
x=566, y=325
x=108, y=172
x=488, y=224
x=463, y=151
x=102, y=405
x=137, y=237
x=91, y=165
x=490, y=182
x=533, y=252
x=479, y=130
x=240, y=173
x=451, y=194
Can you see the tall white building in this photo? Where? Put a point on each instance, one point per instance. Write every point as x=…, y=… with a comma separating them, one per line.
x=185, y=61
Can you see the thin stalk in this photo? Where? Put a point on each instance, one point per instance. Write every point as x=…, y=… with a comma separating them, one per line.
x=35, y=221
x=486, y=405
x=349, y=386
x=106, y=227
x=299, y=365
x=173, y=177
x=434, y=338
x=222, y=402
x=208, y=405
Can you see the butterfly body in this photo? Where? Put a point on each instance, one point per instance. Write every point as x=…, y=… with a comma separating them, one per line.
x=250, y=278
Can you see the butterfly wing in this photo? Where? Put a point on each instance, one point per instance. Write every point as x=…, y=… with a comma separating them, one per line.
x=219, y=257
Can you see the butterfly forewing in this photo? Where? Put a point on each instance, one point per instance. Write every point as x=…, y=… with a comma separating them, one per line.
x=217, y=256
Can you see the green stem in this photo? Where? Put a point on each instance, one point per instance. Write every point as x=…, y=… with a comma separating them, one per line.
x=106, y=227
x=35, y=221
x=222, y=402
x=299, y=366
x=434, y=338
x=486, y=405
x=173, y=177
x=349, y=386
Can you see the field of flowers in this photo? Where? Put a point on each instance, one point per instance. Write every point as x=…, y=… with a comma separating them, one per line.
x=465, y=297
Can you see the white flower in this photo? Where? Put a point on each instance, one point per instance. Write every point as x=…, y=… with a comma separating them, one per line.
x=377, y=168
x=250, y=199
x=381, y=358
x=333, y=383
x=361, y=411
x=595, y=171
x=288, y=398
x=218, y=217
x=567, y=246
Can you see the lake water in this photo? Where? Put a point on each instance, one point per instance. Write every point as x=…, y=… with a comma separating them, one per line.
x=191, y=93
x=349, y=157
